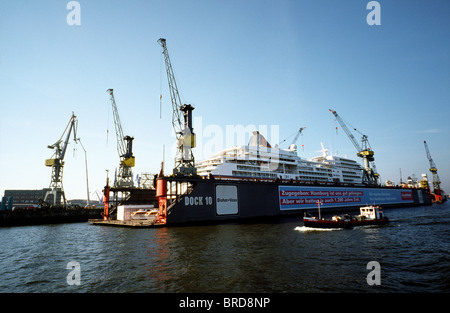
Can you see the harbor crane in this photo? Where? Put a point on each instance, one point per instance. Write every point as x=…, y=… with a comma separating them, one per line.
x=184, y=159
x=56, y=162
x=293, y=146
x=370, y=175
x=438, y=198
x=124, y=148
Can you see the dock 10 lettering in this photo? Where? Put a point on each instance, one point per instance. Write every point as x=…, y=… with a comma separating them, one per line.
x=199, y=200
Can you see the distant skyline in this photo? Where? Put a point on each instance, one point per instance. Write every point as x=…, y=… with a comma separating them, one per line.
x=275, y=65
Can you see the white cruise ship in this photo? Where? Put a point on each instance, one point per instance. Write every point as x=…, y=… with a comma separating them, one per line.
x=259, y=160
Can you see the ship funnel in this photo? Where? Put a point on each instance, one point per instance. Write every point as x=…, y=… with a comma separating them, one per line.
x=258, y=140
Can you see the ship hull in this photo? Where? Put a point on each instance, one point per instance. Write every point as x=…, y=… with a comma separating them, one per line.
x=210, y=200
x=342, y=224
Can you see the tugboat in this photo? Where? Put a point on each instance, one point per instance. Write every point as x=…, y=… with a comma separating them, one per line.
x=369, y=215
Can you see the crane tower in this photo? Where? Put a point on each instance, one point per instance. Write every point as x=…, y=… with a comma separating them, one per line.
x=365, y=152
x=124, y=148
x=56, y=162
x=184, y=159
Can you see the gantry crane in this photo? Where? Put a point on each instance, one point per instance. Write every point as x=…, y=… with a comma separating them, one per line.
x=56, y=162
x=124, y=148
x=184, y=159
x=436, y=181
x=370, y=175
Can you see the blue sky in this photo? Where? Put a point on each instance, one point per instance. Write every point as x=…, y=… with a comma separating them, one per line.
x=274, y=63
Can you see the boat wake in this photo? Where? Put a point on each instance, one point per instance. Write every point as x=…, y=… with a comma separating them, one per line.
x=311, y=229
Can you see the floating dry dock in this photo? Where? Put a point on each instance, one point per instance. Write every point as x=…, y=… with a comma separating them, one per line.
x=185, y=200
x=193, y=200
x=131, y=224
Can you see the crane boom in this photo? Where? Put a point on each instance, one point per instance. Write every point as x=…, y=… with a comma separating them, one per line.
x=184, y=160
x=173, y=89
x=346, y=130
x=297, y=135
x=56, y=162
x=433, y=168
x=436, y=181
x=121, y=148
x=293, y=146
x=124, y=148
x=364, y=151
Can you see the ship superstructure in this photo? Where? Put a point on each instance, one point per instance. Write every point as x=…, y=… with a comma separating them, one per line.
x=260, y=160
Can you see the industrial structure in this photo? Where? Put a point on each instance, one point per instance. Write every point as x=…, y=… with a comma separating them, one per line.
x=124, y=148
x=56, y=162
x=184, y=160
x=293, y=145
x=186, y=197
x=24, y=198
x=437, y=195
x=370, y=175
x=123, y=190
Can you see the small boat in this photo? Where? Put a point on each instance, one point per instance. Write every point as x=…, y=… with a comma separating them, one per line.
x=369, y=215
x=144, y=214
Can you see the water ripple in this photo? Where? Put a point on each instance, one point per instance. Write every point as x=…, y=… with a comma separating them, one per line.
x=413, y=252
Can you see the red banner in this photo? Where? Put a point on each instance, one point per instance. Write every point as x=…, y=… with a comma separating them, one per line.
x=407, y=195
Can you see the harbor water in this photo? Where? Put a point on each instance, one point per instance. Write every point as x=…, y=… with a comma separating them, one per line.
x=413, y=253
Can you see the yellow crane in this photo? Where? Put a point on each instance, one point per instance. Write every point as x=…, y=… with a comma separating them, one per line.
x=124, y=148
x=56, y=162
x=184, y=160
x=370, y=175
